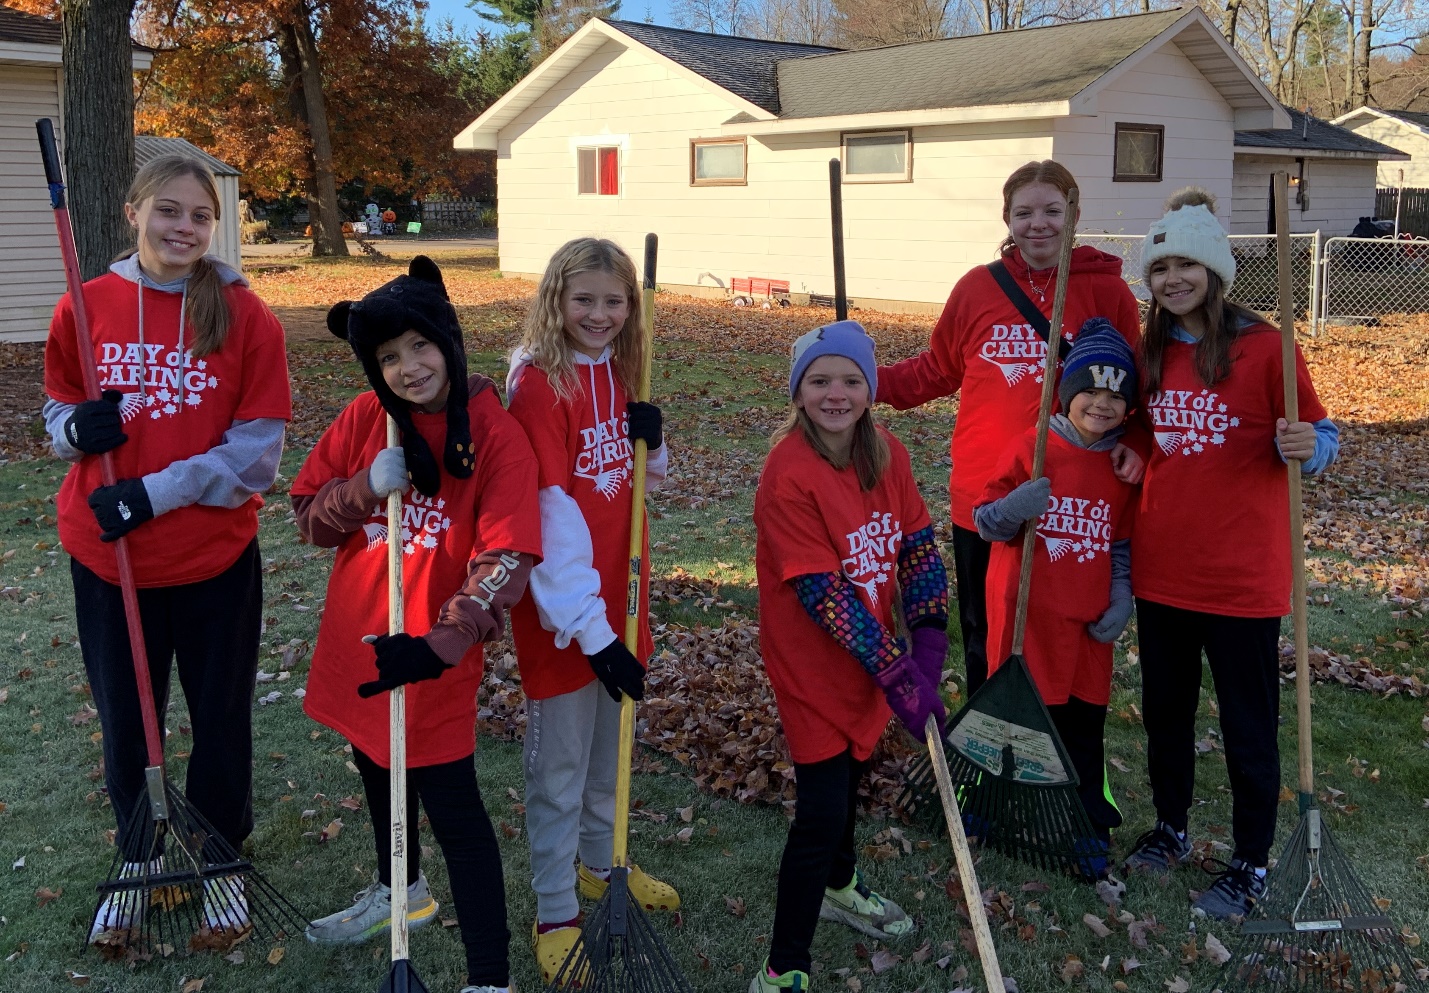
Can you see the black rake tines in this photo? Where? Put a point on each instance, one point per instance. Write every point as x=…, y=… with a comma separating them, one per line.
x=619, y=951
x=1318, y=927
x=160, y=881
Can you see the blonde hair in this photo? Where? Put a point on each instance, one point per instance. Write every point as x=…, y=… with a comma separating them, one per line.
x=545, y=337
x=868, y=454
x=1047, y=171
x=206, y=309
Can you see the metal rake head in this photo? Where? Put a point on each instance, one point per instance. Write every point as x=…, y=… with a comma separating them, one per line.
x=619, y=951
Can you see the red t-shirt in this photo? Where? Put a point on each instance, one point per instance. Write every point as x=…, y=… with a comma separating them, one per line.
x=583, y=446
x=1213, y=527
x=983, y=346
x=1071, y=574
x=494, y=508
x=244, y=380
x=812, y=518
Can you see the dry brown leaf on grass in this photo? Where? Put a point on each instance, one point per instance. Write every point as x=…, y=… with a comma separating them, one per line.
x=44, y=895
x=883, y=960
x=1215, y=951
x=735, y=905
x=276, y=955
x=193, y=985
x=1179, y=984
x=1096, y=925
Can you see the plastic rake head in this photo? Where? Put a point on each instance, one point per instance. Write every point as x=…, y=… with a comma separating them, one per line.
x=619, y=951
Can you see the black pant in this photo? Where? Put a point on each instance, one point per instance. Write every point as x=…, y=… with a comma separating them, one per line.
x=970, y=558
x=211, y=629
x=1245, y=669
x=452, y=800
x=1082, y=728
x=819, y=853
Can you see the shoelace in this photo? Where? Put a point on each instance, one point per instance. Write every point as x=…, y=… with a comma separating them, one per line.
x=1158, y=841
x=1236, y=881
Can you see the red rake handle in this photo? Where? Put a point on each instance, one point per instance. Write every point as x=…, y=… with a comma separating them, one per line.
x=49, y=153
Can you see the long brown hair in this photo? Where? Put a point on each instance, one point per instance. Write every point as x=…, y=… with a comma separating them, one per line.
x=205, y=309
x=1047, y=171
x=869, y=453
x=545, y=337
x=1224, y=321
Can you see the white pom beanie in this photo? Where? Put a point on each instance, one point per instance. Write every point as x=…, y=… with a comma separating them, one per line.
x=1192, y=232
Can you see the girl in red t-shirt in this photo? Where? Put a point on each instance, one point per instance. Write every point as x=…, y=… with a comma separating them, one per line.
x=1210, y=543
x=196, y=400
x=984, y=347
x=469, y=533
x=570, y=386
x=840, y=526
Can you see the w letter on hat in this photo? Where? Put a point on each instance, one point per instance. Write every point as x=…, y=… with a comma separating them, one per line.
x=1108, y=377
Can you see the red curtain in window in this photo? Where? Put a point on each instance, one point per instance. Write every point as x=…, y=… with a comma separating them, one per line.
x=609, y=172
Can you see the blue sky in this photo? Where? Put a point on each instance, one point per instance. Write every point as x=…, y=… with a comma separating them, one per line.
x=467, y=20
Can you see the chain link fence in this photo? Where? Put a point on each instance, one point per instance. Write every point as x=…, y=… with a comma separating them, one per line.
x=1366, y=278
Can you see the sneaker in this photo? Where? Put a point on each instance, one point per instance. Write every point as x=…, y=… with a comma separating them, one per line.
x=552, y=948
x=1158, y=851
x=371, y=914
x=1232, y=894
x=486, y=989
x=224, y=904
x=864, y=910
x=767, y=982
x=649, y=892
x=1093, y=858
x=123, y=910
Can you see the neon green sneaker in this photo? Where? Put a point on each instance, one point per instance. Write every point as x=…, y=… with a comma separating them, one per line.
x=864, y=910
x=767, y=982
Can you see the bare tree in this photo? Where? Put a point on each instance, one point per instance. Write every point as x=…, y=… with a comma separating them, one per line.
x=714, y=16
x=808, y=22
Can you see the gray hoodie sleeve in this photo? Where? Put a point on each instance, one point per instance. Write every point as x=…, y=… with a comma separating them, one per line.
x=55, y=415
x=245, y=463
x=1121, y=570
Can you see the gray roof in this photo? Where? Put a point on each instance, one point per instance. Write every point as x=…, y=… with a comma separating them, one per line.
x=1051, y=63
x=1314, y=135
x=743, y=66
x=147, y=146
x=29, y=29
x=1416, y=117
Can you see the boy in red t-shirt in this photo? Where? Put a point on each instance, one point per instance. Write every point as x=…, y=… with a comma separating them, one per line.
x=840, y=525
x=471, y=535
x=1081, y=573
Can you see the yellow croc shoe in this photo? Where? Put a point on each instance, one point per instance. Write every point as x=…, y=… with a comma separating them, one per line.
x=649, y=892
x=552, y=949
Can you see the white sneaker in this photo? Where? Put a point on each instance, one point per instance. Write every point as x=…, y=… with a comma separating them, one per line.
x=224, y=904
x=124, y=909
x=371, y=914
x=485, y=989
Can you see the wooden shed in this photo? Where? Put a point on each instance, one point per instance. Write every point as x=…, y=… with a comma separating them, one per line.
x=226, y=240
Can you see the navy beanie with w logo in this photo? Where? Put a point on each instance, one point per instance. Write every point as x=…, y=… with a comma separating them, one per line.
x=1100, y=359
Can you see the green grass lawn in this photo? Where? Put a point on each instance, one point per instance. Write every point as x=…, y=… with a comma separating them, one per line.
x=720, y=404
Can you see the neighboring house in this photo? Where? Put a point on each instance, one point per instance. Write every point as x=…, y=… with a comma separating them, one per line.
x=721, y=145
x=30, y=265
x=1406, y=130
x=1332, y=176
x=226, y=240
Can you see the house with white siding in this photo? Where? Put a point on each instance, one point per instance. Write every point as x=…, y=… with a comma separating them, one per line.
x=1404, y=130
x=721, y=145
x=30, y=80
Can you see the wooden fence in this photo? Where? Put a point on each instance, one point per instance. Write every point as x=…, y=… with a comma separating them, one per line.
x=1413, y=209
x=463, y=215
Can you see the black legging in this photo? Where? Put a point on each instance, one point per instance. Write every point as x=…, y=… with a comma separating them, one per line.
x=452, y=800
x=970, y=558
x=819, y=853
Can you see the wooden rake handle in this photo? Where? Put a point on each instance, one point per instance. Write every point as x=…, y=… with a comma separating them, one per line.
x=967, y=872
x=637, y=554
x=1044, y=411
x=397, y=720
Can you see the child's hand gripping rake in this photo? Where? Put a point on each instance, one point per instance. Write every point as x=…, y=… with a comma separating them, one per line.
x=1317, y=927
x=618, y=950
x=173, y=860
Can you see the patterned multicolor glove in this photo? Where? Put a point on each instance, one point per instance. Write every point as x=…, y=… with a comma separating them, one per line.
x=389, y=473
x=618, y=671
x=645, y=421
x=910, y=698
x=929, y=651
x=1112, y=623
x=95, y=425
x=401, y=659
x=121, y=508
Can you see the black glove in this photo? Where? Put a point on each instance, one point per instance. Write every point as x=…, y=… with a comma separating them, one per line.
x=121, y=508
x=618, y=671
x=645, y=421
x=401, y=659
x=95, y=425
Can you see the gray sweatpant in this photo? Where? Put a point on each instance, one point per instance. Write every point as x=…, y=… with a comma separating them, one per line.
x=569, y=761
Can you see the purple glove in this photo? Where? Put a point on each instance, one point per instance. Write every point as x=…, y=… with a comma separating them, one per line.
x=910, y=698
x=930, y=651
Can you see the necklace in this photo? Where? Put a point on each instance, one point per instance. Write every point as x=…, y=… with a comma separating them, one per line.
x=1041, y=291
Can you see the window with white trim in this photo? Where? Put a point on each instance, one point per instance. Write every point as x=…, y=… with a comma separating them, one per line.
x=718, y=162
x=598, y=171
x=878, y=157
x=1139, y=151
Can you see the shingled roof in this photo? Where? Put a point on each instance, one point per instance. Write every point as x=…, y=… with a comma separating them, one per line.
x=17, y=26
x=1416, y=117
x=147, y=146
x=1310, y=134
x=743, y=66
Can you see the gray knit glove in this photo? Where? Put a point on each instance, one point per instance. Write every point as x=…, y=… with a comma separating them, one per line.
x=389, y=473
x=1028, y=502
x=1112, y=622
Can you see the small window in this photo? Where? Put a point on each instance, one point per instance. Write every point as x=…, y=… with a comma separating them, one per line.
x=717, y=162
x=598, y=171
x=881, y=157
x=1138, y=153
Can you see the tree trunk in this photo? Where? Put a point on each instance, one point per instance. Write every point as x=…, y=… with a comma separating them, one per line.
x=1232, y=17
x=98, y=127
x=322, y=194
x=1362, y=50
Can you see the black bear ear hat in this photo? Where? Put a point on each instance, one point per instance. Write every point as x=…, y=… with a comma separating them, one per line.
x=414, y=302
